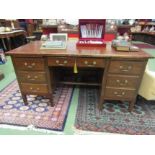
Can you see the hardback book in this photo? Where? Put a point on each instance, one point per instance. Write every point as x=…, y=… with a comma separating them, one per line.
x=121, y=45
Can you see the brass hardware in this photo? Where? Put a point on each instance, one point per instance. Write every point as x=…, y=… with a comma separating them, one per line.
x=118, y=81
x=33, y=64
x=57, y=61
x=35, y=77
x=120, y=67
x=126, y=81
x=123, y=93
x=29, y=66
x=28, y=76
x=115, y=92
x=65, y=61
x=31, y=88
x=119, y=95
x=25, y=63
x=94, y=62
x=86, y=62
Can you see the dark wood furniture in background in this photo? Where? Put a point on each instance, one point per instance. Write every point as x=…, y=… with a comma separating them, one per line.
x=13, y=39
x=121, y=71
x=121, y=29
x=46, y=29
x=1, y=75
x=147, y=37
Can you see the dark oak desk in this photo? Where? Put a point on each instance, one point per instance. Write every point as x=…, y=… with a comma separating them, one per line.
x=120, y=80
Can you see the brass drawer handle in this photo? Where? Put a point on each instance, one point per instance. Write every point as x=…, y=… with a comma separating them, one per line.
x=94, y=62
x=86, y=62
x=57, y=61
x=119, y=95
x=30, y=78
x=34, y=89
x=122, y=83
x=33, y=64
x=125, y=69
x=25, y=63
x=65, y=61
x=29, y=66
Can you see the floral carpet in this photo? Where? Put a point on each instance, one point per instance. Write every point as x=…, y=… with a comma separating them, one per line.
x=37, y=113
x=114, y=118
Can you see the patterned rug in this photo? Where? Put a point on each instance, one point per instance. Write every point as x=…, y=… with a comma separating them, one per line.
x=37, y=113
x=144, y=45
x=115, y=117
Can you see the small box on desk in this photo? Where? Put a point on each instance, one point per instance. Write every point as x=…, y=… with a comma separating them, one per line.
x=91, y=33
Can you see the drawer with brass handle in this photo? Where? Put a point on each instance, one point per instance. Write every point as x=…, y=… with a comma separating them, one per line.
x=122, y=81
x=126, y=67
x=34, y=88
x=90, y=62
x=60, y=61
x=114, y=93
x=29, y=76
x=29, y=64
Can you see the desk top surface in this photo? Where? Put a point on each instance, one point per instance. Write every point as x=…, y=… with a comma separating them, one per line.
x=33, y=50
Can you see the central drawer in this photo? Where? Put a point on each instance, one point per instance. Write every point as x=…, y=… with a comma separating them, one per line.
x=90, y=62
x=34, y=88
x=34, y=64
x=124, y=81
x=126, y=67
x=32, y=77
x=115, y=93
x=60, y=61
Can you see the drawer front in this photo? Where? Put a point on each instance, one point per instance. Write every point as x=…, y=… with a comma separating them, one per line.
x=126, y=67
x=114, y=93
x=34, y=77
x=90, y=62
x=29, y=64
x=34, y=88
x=122, y=81
x=60, y=61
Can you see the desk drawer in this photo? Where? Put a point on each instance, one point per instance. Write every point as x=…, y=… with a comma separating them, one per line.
x=122, y=81
x=126, y=67
x=114, y=93
x=90, y=62
x=34, y=88
x=60, y=61
x=29, y=64
x=34, y=77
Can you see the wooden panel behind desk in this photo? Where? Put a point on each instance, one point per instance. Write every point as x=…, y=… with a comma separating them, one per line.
x=118, y=66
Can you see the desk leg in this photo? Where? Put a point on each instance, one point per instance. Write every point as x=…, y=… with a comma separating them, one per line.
x=25, y=99
x=101, y=103
x=4, y=44
x=9, y=43
x=51, y=100
x=131, y=105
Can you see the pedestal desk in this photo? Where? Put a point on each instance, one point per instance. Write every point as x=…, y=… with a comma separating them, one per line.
x=120, y=79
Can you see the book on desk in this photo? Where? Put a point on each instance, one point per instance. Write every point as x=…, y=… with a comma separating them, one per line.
x=124, y=46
